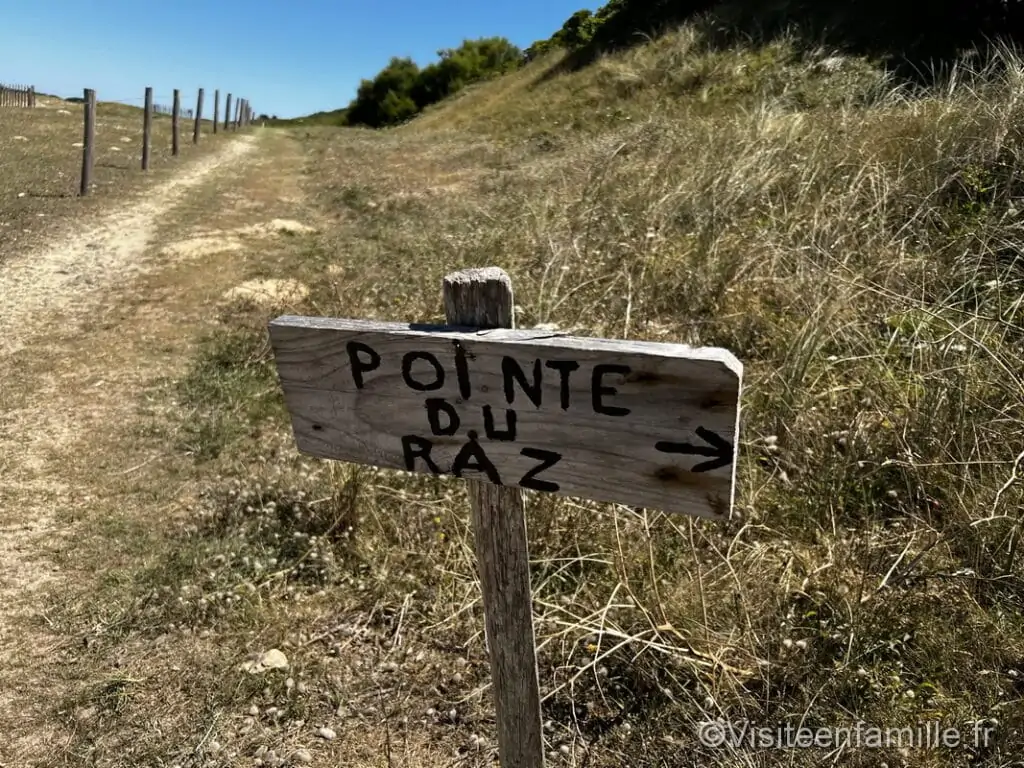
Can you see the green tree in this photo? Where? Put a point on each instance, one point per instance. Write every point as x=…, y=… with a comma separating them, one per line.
x=374, y=105
x=402, y=89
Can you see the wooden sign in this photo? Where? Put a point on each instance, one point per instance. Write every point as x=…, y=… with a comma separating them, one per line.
x=639, y=423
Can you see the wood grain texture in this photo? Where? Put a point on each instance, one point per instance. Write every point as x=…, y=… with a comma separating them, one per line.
x=672, y=394
x=483, y=299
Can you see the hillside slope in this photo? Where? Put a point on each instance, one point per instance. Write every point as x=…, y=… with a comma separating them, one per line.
x=855, y=245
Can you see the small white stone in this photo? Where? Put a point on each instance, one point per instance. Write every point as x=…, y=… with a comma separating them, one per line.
x=302, y=756
x=326, y=733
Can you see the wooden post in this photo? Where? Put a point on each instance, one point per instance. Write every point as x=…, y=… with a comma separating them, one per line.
x=216, y=108
x=199, y=117
x=90, y=135
x=32, y=96
x=147, y=128
x=482, y=298
x=227, y=112
x=175, y=114
x=238, y=111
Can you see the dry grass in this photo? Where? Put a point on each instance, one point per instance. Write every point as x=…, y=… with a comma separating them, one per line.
x=859, y=253
x=41, y=162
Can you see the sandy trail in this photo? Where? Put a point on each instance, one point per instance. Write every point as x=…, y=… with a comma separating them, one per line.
x=60, y=277
x=45, y=298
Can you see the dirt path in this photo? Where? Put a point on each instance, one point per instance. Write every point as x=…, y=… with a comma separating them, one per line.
x=85, y=325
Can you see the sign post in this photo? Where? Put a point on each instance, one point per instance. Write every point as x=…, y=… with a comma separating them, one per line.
x=640, y=423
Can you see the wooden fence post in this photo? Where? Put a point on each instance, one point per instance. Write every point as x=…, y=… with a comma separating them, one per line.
x=32, y=96
x=175, y=114
x=238, y=110
x=147, y=127
x=227, y=111
x=90, y=136
x=482, y=298
x=199, y=117
x=216, y=108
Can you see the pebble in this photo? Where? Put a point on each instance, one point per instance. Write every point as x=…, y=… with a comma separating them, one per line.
x=326, y=733
x=302, y=756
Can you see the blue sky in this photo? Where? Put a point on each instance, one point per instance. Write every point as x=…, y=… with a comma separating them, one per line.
x=288, y=58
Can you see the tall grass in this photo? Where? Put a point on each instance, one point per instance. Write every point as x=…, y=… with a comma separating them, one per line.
x=858, y=247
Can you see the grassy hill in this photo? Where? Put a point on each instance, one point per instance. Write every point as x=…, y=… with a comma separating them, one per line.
x=854, y=241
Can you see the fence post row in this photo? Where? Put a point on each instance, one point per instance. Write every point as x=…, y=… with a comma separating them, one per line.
x=26, y=96
x=17, y=95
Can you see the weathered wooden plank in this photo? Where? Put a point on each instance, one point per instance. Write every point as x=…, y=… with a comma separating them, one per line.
x=640, y=423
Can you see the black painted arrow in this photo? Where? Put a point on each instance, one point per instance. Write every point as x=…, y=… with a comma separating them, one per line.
x=718, y=449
